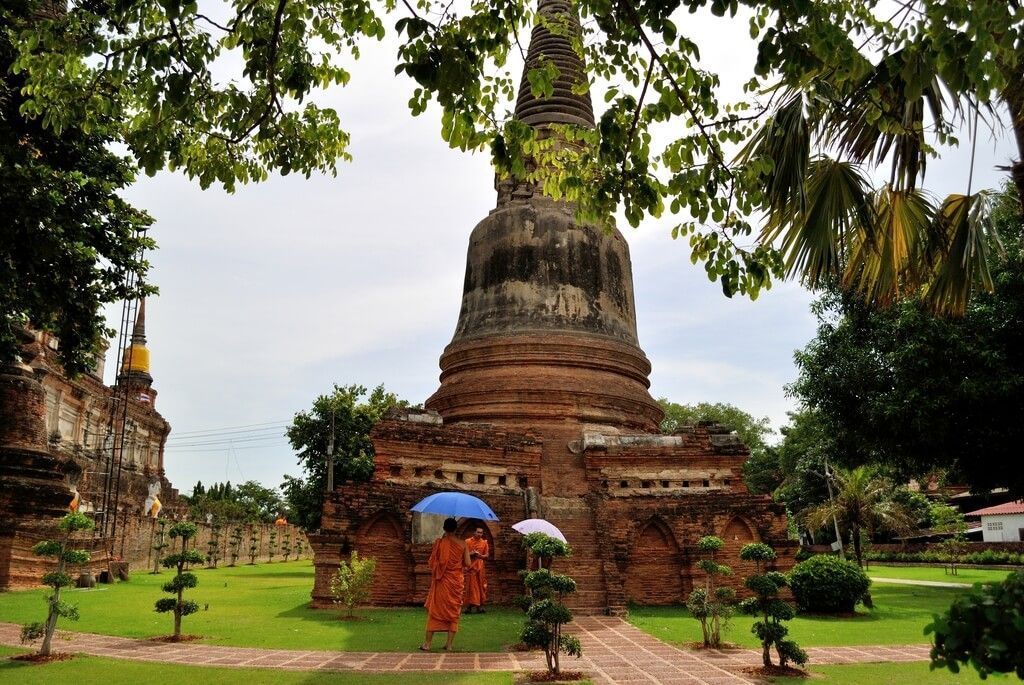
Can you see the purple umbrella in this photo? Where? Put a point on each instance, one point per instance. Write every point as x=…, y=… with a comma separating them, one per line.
x=538, y=526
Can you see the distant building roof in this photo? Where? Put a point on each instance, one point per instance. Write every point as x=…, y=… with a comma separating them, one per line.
x=1008, y=508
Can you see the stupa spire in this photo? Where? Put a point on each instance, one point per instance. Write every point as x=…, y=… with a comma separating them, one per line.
x=139, y=330
x=135, y=364
x=557, y=28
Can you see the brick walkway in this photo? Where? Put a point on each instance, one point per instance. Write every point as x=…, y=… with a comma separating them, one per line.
x=615, y=652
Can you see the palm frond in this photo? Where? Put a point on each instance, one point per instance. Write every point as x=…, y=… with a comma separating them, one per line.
x=963, y=223
x=885, y=262
x=814, y=236
x=783, y=143
x=884, y=114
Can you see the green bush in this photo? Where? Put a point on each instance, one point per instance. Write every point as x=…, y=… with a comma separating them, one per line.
x=986, y=557
x=983, y=628
x=827, y=584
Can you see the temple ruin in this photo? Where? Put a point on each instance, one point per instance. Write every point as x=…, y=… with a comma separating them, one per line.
x=543, y=410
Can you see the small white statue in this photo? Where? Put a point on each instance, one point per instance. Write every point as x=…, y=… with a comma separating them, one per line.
x=152, y=506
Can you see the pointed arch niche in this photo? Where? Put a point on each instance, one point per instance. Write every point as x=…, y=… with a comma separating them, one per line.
x=383, y=538
x=654, y=573
x=738, y=532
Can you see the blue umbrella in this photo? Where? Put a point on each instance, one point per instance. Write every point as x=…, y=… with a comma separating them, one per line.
x=455, y=504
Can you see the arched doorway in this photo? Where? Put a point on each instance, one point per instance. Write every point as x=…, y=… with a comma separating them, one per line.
x=653, y=576
x=382, y=538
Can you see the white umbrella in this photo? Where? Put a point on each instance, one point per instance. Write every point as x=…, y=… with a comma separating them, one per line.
x=539, y=526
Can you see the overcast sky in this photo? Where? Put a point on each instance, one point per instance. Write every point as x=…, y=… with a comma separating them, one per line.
x=272, y=294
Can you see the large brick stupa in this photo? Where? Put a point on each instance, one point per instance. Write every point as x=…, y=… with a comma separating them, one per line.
x=543, y=411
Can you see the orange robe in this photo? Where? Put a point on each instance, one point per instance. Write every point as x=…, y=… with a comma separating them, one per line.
x=444, y=601
x=476, y=577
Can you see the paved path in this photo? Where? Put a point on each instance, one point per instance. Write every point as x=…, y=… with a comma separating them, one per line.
x=926, y=583
x=615, y=652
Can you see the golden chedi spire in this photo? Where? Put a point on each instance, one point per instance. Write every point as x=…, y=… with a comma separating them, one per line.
x=135, y=364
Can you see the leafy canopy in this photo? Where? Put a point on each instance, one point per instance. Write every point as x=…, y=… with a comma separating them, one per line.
x=69, y=238
x=770, y=182
x=352, y=413
x=882, y=385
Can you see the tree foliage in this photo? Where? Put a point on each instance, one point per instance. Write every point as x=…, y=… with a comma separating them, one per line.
x=884, y=384
x=800, y=461
x=64, y=556
x=983, y=628
x=353, y=582
x=159, y=543
x=69, y=238
x=249, y=502
x=949, y=520
x=862, y=504
x=352, y=413
x=768, y=183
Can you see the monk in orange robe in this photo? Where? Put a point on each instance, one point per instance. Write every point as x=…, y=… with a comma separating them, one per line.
x=476, y=576
x=448, y=563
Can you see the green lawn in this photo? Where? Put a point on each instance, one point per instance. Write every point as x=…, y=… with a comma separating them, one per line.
x=258, y=606
x=888, y=674
x=901, y=612
x=963, y=575
x=89, y=670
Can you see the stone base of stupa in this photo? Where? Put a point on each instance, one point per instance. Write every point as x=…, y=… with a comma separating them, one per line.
x=632, y=506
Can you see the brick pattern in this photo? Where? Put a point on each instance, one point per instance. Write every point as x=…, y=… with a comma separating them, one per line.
x=638, y=546
x=614, y=652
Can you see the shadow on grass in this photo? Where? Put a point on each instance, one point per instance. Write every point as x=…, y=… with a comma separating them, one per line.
x=331, y=616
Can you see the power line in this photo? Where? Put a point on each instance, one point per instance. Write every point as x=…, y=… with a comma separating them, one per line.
x=228, y=436
x=227, y=441
x=232, y=428
x=212, y=450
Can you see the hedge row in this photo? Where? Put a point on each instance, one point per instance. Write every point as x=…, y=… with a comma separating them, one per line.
x=987, y=557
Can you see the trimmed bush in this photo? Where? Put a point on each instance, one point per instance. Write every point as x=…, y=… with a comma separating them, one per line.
x=985, y=557
x=827, y=584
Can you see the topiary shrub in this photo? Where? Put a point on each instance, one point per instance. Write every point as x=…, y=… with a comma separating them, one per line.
x=827, y=584
x=712, y=605
x=546, y=612
x=771, y=610
x=62, y=551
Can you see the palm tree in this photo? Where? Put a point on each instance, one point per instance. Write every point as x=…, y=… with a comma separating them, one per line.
x=862, y=503
x=836, y=123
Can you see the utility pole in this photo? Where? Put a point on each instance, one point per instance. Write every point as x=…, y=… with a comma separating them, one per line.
x=330, y=455
x=835, y=521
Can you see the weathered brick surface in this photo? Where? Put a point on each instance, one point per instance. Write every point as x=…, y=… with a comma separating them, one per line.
x=630, y=544
x=413, y=461
x=39, y=471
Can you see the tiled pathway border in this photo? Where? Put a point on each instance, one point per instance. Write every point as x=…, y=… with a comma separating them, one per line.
x=615, y=652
